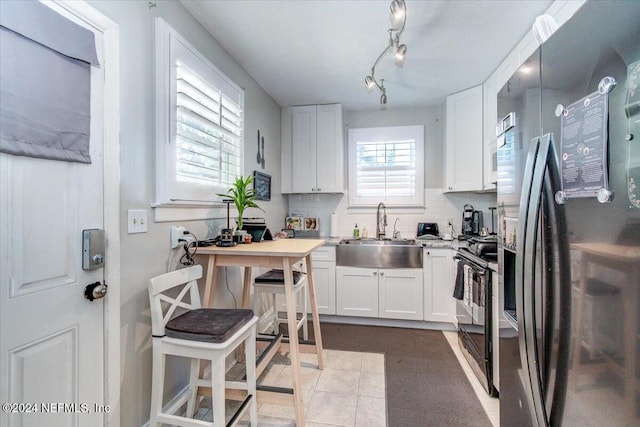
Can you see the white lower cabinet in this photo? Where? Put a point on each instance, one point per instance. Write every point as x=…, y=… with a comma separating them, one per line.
x=384, y=293
x=400, y=294
x=324, y=277
x=323, y=261
x=439, y=304
x=357, y=291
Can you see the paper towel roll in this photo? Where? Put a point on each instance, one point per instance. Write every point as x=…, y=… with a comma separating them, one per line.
x=333, y=225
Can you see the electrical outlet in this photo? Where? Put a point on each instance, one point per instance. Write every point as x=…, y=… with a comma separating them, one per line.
x=177, y=233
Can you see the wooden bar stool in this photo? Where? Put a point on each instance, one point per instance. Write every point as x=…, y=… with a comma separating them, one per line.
x=272, y=283
x=199, y=334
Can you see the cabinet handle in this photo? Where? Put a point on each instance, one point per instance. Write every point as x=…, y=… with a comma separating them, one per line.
x=319, y=189
x=375, y=273
x=382, y=274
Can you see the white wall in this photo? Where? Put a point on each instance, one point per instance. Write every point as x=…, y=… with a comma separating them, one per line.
x=146, y=255
x=439, y=206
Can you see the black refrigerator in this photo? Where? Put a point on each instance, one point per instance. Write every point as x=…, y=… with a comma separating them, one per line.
x=569, y=225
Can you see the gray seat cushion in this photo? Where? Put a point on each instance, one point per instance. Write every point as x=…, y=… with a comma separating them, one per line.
x=214, y=325
x=276, y=276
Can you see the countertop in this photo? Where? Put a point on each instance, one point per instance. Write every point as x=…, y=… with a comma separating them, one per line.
x=452, y=244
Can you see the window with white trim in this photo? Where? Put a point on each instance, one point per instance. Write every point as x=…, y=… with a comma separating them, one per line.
x=386, y=164
x=199, y=124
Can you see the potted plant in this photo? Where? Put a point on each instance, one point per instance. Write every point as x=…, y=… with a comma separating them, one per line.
x=242, y=194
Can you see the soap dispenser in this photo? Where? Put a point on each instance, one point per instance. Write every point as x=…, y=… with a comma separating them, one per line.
x=356, y=231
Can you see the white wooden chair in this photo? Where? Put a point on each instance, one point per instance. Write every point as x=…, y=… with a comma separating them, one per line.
x=199, y=334
x=272, y=284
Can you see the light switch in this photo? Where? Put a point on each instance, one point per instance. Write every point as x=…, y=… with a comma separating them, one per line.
x=137, y=221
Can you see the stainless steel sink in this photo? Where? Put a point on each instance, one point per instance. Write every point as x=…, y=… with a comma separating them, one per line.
x=373, y=253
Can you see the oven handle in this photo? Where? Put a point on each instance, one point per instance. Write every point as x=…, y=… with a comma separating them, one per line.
x=476, y=268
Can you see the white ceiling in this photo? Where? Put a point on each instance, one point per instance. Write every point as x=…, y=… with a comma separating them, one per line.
x=315, y=52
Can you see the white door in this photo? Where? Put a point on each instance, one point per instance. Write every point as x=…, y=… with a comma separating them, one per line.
x=51, y=337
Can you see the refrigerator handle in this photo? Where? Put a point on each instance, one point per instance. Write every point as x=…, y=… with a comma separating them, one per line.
x=522, y=281
x=561, y=281
x=529, y=280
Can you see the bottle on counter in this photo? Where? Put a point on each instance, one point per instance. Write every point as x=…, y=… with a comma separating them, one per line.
x=356, y=231
x=365, y=232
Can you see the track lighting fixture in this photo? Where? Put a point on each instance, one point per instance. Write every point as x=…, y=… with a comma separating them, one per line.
x=398, y=18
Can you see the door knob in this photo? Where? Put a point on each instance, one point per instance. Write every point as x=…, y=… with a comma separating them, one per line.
x=95, y=290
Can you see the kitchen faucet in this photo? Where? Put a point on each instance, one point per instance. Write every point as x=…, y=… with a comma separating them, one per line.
x=396, y=233
x=381, y=221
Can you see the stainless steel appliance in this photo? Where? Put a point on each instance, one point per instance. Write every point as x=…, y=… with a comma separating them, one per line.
x=427, y=229
x=473, y=290
x=471, y=221
x=569, y=274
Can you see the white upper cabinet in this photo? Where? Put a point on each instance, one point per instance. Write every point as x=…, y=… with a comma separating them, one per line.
x=312, y=149
x=490, y=113
x=463, y=139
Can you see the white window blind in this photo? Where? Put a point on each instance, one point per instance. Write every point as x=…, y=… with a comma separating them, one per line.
x=200, y=122
x=386, y=165
x=208, y=131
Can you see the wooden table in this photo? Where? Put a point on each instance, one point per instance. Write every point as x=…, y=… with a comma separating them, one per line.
x=283, y=253
x=625, y=259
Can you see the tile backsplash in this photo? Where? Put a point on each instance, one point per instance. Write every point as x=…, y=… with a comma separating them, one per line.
x=439, y=207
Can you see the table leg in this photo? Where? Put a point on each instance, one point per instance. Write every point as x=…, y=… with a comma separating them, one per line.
x=317, y=335
x=290, y=299
x=246, y=287
x=210, y=282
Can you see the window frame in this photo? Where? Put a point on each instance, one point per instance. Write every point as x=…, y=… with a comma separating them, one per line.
x=170, y=47
x=387, y=134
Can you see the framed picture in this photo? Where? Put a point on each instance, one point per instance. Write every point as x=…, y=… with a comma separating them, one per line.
x=312, y=224
x=294, y=223
x=261, y=185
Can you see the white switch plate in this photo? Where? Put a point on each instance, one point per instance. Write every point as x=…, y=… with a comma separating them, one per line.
x=137, y=221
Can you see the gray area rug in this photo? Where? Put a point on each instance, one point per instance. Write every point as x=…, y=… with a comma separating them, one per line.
x=425, y=383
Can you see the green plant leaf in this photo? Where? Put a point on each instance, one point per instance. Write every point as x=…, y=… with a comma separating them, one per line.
x=242, y=194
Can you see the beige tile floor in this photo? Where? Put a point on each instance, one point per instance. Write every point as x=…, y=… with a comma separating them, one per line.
x=348, y=392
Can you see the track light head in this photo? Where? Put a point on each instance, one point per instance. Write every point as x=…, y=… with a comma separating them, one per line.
x=401, y=55
x=369, y=83
x=398, y=11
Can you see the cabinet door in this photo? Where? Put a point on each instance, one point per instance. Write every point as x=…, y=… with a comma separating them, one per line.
x=490, y=118
x=357, y=291
x=464, y=146
x=286, y=151
x=303, y=135
x=439, y=304
x=324, y=276
x=329, y=149
x=400, y=294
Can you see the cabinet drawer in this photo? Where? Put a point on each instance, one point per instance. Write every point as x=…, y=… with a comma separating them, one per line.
x=324, y=253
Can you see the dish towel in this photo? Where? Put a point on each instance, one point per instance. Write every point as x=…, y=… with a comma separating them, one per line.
x=458, y=290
